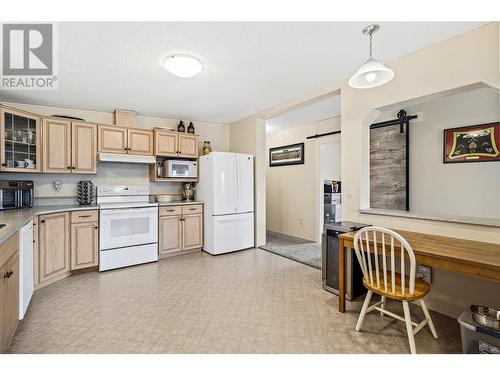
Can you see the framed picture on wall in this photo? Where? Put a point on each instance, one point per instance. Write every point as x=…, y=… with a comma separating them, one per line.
x=286, y=155
x=472, y=143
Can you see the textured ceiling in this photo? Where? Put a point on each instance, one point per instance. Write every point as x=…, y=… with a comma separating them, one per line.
x=249, y=67
x=306, y=114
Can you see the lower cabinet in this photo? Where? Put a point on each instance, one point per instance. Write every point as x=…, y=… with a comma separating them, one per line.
x=54, y=247
x=180, y=228
x=9, y=290
x=84, y=245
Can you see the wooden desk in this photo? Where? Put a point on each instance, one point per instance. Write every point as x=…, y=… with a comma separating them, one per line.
x=473, y=258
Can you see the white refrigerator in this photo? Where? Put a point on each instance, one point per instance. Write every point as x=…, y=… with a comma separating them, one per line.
x=226, y=186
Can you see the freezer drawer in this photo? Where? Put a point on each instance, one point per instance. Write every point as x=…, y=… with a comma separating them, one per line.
x=230, y=233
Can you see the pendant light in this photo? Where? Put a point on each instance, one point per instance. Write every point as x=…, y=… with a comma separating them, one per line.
x=372, y=73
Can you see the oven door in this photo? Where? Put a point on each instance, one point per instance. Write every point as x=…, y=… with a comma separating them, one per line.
x=123, y=227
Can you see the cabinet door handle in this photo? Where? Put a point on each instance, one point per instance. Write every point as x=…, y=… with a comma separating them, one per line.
x=170, y=210
x=7, y=275
x=4, y=164
x=83, y=216
x=68, y=167
x=96, y=227
x=192, y=209
x=42, y=221
x=73, y=167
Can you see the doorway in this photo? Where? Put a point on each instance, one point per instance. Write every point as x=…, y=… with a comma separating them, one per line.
x=294, y=194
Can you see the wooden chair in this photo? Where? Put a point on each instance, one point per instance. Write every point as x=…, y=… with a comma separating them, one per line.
x=370, y=247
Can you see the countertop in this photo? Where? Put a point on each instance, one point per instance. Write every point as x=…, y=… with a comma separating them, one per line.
x=179, y=203
x=16, y=219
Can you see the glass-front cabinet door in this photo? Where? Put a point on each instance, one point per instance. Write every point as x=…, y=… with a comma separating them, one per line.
x=19, y=141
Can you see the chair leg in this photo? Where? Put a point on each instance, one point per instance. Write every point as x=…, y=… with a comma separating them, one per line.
x=428, y=316
x=363, y=310
x=382, y=305
x=409, y=327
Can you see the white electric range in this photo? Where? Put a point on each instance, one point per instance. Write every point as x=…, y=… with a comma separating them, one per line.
x=128, y=226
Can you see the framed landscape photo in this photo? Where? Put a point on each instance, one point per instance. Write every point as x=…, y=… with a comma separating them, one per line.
x=472, y=143
x=286, y=155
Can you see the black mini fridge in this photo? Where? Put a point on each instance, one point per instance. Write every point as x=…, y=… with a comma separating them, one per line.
x=330, y=261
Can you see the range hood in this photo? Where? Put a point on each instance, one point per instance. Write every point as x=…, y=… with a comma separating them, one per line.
x=126, y=158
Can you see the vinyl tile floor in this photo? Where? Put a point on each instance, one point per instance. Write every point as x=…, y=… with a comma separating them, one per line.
x=250, y=301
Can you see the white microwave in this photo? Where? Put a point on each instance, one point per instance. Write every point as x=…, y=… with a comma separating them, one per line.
x=180, y=169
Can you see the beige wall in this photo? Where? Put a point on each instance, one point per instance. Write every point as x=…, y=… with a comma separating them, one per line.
x=466, y=59
x=292, y=192
x=115, y=173
x=249, y=136
x=462, y=189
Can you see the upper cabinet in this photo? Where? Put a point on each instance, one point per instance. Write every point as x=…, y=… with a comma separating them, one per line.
x=140, y=142
x=69, y=147
x=125, y=140
x=56, y=141
x=171, y=143
x=112, y=139
x=19, y=141
x=83, y=147
x=166, y=143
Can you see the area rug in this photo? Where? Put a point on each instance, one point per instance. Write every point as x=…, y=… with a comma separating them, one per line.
x=294, y=248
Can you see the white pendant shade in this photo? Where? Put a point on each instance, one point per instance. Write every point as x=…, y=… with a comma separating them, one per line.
x=371, y=74
x=183, y=65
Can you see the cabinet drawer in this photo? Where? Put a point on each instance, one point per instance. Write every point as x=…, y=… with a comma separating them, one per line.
x=84, y=216
x=192, y=209
x=170, y=210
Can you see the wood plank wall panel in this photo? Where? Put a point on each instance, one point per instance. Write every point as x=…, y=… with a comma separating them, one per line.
x=388, y=168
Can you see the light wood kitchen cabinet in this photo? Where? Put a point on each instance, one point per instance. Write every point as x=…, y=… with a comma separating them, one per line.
x=84, y=239
x=140, y=142
x=83, y=147
x=84, y=245
x=9, y=290
x=165, y=143
x=112, y=139
x=180, y=228
x=69, y=147
x=125, y=141
x=56, y=135
x=172, y=143
x=36, y=253
x=192, y=232
x=20, y=139
x=54, y=247
x=170, y=234
x=188, y=145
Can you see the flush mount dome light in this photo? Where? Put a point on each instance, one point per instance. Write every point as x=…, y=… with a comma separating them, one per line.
x=183, y=65
x=372, y=73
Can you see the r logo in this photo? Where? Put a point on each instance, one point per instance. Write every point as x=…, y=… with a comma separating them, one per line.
x=27, y=49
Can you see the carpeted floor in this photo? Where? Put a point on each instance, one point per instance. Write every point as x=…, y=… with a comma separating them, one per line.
x=294, y=248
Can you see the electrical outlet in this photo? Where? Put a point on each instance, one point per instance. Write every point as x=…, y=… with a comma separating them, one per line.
x=301, y=221
x=424, y=273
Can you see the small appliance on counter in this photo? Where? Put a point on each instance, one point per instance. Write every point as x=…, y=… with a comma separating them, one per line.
x=85, y=192
x=16, y=194
x=187, y=191
x=330, y=261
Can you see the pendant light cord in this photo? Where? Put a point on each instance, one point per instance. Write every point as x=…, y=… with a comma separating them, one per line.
x=371, y=45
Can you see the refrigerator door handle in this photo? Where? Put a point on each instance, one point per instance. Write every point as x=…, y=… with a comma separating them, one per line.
x=236, y=182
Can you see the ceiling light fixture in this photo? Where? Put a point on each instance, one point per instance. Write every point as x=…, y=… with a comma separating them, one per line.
x=183, y=65
x=372, y=73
